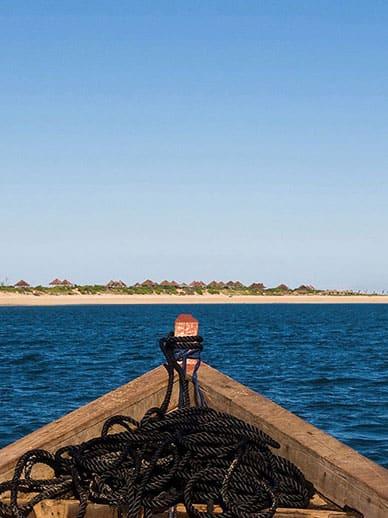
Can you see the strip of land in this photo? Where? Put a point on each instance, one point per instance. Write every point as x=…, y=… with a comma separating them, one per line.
x=13, y=299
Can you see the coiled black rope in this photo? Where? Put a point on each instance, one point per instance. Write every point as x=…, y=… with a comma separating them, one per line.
x=192, y=455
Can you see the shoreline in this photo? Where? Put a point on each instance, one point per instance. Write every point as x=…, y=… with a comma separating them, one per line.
x=69, y=300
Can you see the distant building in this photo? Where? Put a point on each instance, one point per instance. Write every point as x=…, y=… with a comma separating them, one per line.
x=116, y=284
x=282, y=287
x=305, y=287
x=67, y=283
x=197, y=284
x=259, y=286
x=148, y=284
x=169, y=284
x=22, y=284
x=56, y=282
x=215, y=285
x=235, y=285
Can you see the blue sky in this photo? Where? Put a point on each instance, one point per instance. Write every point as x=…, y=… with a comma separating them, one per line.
x=195, y=140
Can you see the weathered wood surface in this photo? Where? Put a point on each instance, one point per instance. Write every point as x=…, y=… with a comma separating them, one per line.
x=338, y=472
x=69, y=509
x=133, y=399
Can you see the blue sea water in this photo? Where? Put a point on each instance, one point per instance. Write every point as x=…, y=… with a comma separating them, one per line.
x=327, y=363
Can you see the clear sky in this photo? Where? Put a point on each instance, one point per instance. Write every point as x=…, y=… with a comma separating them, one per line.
x=195, y=140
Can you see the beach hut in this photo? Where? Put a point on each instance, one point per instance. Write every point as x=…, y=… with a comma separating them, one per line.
x=56, y=282
x=282, y=287
x=169, y=284
x=197, y=284
x=216, y=285
x=148, y=284
x=67, y=283
x=22, y=284
x=234, y=285
x=258, y=286
x=305, y=287
x=116, y=284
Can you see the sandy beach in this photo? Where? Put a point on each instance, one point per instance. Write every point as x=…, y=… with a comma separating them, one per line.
x=60, y=300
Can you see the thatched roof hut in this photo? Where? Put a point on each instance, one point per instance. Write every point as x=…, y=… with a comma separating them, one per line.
x=148, y=284
x=235, y=284
x=56, y=282
x=197, y=284
x=238, y=284
x=116, y=284
x=259, y=286
x=22, y=284
x=305, y=287
x=169, y=284
x=282, y=287
x=216, y=285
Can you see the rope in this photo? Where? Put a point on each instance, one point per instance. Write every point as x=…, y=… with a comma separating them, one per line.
x=193, y=454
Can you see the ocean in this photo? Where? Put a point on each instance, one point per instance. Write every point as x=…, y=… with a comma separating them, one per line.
x=327, y=363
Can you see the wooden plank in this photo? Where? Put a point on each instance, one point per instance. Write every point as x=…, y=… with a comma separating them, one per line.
x=69, y=509
x=309, y=513
x=338, y=472
x=133, y=399
x=280, y=513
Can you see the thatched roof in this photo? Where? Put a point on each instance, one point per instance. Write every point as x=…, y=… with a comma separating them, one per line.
x=305, y=287
x=215, y=285
x=169, y=284
x=198, y=284
x=235, y=284
x=257, y=286
x=56, y=282
x=148, y=283
x=116, y=284
x=22, y=284
x=282, y=287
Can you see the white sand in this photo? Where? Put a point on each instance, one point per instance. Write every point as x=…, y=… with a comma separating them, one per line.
x=7, y=299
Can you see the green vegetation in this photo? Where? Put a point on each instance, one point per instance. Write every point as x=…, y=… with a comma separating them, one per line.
x=231, y=288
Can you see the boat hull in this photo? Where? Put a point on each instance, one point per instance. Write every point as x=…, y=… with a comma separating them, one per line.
x=344, y=478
